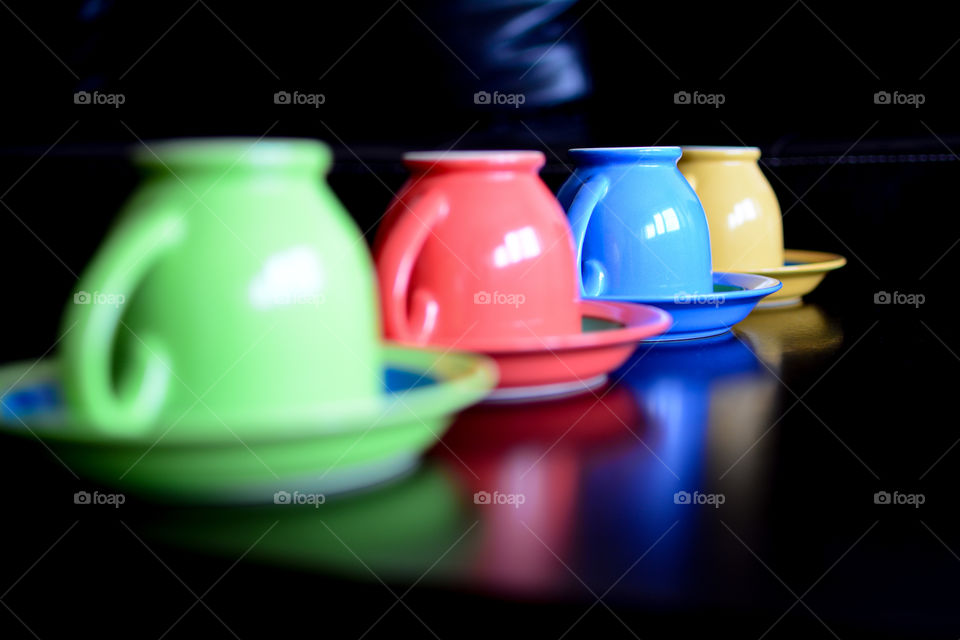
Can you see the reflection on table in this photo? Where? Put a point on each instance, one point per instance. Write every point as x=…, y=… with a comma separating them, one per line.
x=792, y=334
x=526, y=499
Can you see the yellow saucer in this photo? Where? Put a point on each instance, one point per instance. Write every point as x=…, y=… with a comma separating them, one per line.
x=801, y=273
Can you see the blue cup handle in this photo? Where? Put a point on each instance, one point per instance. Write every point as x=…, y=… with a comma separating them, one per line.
x=592, y=275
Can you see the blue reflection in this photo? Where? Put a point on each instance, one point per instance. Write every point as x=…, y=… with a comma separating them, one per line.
x=630, y=502
x=663, y=222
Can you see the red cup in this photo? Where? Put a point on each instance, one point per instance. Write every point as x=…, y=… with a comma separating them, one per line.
x=475, y=248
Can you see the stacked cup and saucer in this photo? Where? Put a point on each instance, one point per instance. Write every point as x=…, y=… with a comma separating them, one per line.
x=224, y=343
x=475, y=254
x=641, y=236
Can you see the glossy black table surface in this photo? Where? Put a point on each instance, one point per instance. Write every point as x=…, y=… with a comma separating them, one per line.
x=793, y=477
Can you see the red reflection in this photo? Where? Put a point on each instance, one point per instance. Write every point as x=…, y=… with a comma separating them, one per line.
x=530, y=458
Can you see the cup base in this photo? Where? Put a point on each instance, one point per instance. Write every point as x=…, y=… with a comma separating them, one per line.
x=506, y=395
x=782, y=303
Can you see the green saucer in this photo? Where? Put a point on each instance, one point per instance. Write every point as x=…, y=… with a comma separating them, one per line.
x=337, y=448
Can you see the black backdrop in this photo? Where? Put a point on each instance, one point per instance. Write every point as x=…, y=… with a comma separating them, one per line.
x=877, y=181
x=797, y=79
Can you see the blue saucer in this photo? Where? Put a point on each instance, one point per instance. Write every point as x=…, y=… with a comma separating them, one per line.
x=703, y=315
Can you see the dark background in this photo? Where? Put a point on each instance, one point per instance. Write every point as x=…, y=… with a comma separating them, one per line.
x=875, y=183
x=798, y=81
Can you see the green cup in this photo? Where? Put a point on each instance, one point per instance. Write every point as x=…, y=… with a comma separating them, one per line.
x=233, y=290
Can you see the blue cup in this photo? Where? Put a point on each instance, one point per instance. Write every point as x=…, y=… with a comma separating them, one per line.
x=639, y=228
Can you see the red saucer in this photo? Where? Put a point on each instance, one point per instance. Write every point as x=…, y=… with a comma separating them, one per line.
x=558, y=365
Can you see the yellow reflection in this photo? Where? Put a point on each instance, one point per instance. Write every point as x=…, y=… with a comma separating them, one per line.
x=743, y=211
x=777, y=334
x=740, y=447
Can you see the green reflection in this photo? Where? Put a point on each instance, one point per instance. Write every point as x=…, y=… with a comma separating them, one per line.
x=398, y=530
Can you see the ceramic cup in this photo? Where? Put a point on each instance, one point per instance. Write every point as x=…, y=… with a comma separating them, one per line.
x=746, y=229
x=475, y=248
x=232, y=284
x=638, y=227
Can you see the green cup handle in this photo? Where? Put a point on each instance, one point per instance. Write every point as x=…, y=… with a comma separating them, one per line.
x=130, y=405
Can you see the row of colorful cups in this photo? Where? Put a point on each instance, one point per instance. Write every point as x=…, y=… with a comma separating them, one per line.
x=235, y=302
x=474, y=253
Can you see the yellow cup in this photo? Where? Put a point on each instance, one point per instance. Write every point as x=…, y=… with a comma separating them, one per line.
x=746, y=230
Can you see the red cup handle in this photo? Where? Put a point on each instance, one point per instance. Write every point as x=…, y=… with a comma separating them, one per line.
x=396, y=259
